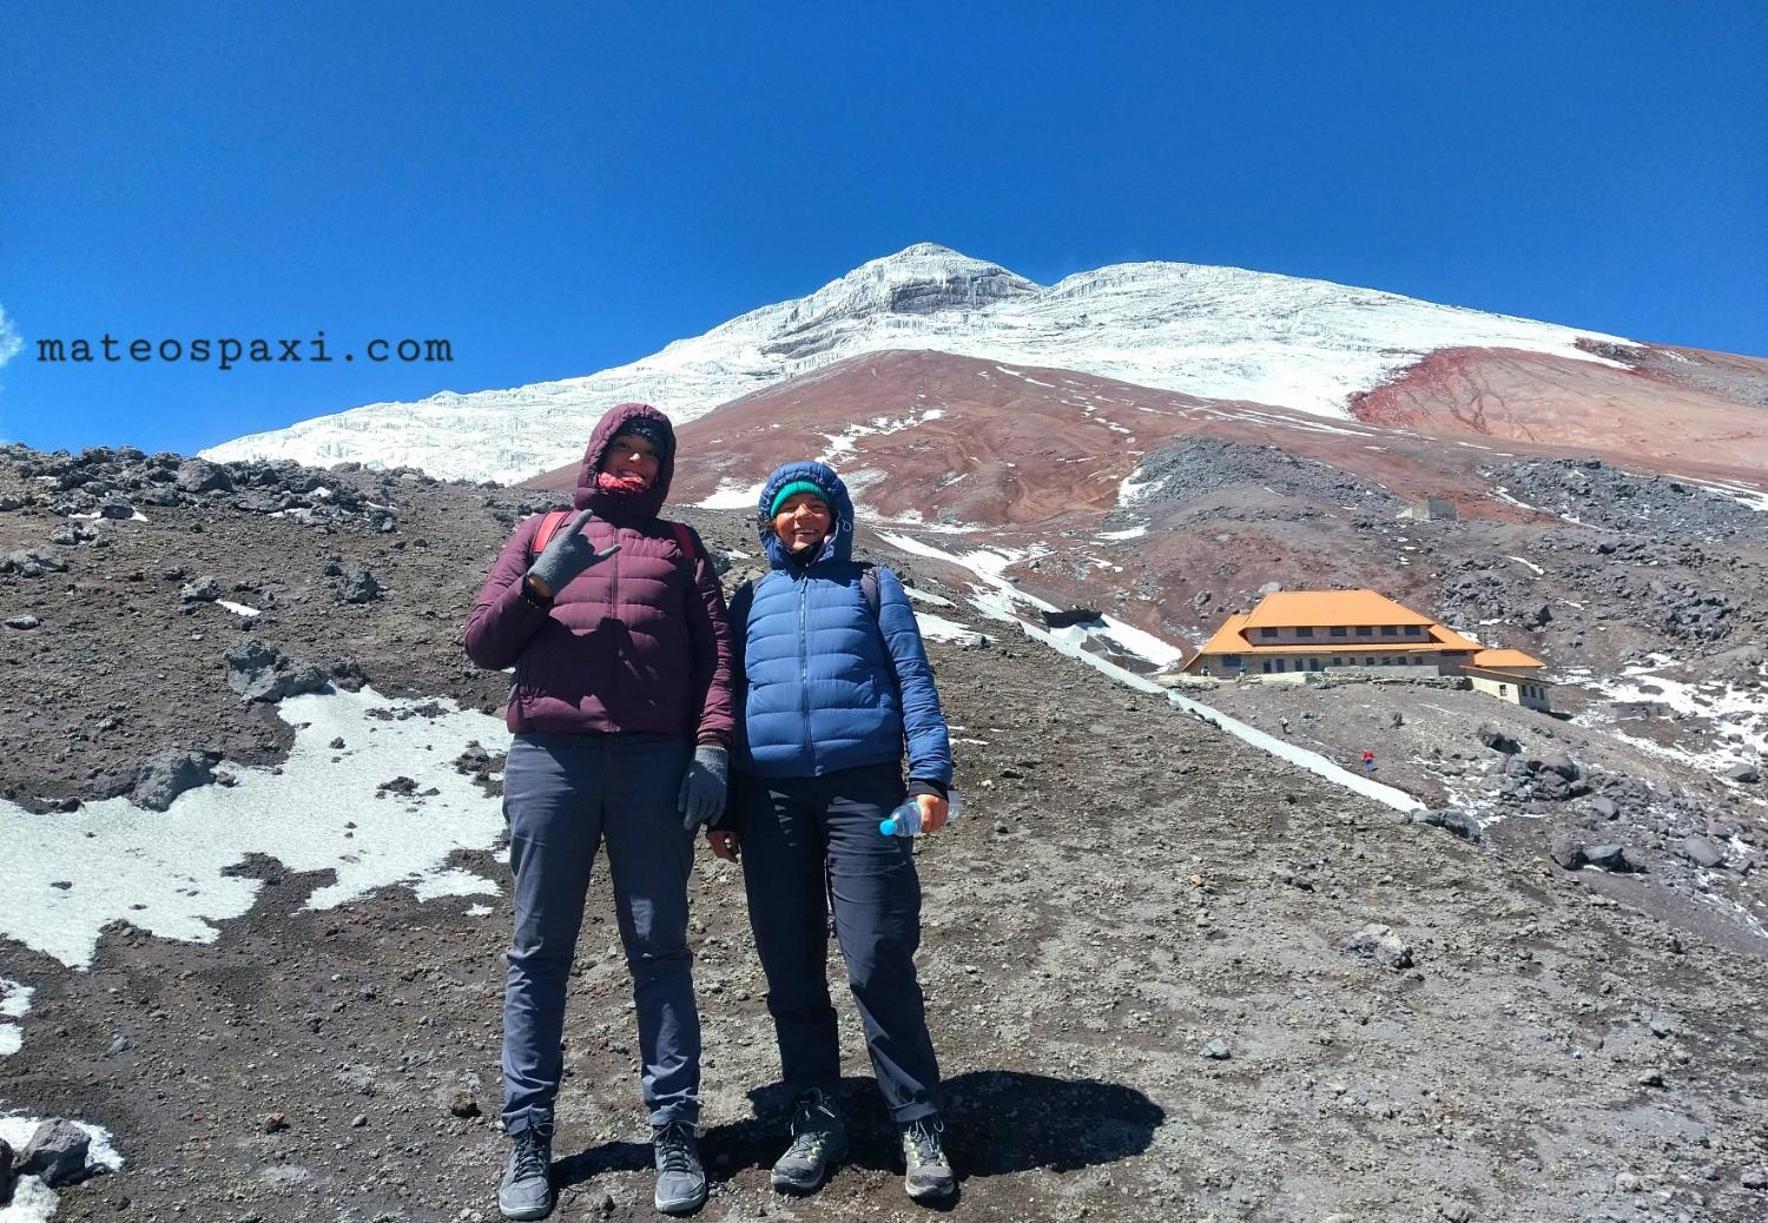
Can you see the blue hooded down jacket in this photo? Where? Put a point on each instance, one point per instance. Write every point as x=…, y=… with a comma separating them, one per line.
x=822, y=684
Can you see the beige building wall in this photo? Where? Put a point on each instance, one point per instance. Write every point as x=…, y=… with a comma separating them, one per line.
x=1353, y=638
x=1518, y=690
x=1349, y=662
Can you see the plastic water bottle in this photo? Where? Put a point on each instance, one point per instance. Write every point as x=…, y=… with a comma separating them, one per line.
x=905, y=821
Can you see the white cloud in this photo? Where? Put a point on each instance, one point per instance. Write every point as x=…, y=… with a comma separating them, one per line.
x=10, y=340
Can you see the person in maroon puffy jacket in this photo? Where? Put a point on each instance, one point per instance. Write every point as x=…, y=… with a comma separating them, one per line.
x=621, y=709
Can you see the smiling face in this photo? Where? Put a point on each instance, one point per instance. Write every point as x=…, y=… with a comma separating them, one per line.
x=631, y=458
x=802, y=522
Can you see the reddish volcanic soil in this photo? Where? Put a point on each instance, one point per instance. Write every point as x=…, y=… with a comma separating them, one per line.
x=1679, y=412
x=966, y=454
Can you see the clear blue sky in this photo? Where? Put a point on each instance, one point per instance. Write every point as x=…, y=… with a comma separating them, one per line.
x=559, y=188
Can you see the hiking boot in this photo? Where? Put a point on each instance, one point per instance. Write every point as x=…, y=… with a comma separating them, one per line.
x=526, y=1190
x=819, y=1140
x=929, y=1173
x=681, y=1180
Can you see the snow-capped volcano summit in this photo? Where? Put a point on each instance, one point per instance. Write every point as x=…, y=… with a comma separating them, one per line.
x=1222, y=333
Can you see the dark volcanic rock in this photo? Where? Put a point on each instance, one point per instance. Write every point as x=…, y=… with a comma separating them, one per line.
x=1702, y=851
x=1450, y=819
x=56, y=1152
x=1497, y=740
x=1378, y=943
x=202, y=476
x=1069, y=617
x=358, y=585
x=258, y=671
x=162, y=778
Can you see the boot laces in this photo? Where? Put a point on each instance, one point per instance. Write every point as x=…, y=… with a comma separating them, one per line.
x=531, y=1154
x=923, y=1138
x=809, y=1131
x=675, y=1151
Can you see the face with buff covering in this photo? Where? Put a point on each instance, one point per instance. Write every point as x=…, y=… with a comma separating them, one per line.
x=629, y=465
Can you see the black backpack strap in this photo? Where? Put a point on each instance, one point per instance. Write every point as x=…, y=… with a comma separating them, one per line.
x=740, y=600
x=868, y=585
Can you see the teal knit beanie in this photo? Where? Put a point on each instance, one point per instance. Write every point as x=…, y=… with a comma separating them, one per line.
x=792, y=490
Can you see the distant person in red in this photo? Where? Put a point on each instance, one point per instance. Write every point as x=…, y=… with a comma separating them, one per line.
x=1369, y=762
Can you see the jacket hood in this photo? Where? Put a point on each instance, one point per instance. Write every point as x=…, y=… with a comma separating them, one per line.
x=624, y=507
x=839, y=545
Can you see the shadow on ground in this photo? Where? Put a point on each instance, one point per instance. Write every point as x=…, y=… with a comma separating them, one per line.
x=997, y=1122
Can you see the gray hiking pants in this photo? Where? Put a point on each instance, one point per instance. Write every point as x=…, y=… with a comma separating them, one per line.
x=807, y=841
x=563, y=796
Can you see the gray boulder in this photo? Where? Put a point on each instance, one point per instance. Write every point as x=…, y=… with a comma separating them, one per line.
x=258, y=671
x=358, y=585
x=1450, y=819
x=1745, y=772
x=1703, y=852
x=1497, y=740
x=1378, y=943
x=162, y=778
x=202, y=476
x=56, y=1152
x=205, y=589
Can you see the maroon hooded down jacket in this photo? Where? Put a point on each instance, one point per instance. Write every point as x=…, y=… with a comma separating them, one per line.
x=636, y=643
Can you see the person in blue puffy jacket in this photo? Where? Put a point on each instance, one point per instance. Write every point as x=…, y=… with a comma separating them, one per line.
x=831, y=681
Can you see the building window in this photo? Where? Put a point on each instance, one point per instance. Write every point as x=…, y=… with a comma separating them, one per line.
x=1230, y=660
x=1388, y=630
x=1363, y=630
x=1267, y=632
x=1304, y=632
x=1412, y=630
x=1338, y=630
x=1503, y=689
x=1336, y=661
x=1276, y=664
x=1368, y=662
x=1313, y=664
x=1265, y=666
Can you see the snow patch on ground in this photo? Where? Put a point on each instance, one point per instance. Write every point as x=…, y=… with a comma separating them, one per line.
x=1736, y=490
x=927, y=596
x=15, y=1003
x=238, y=609
x=1527, y=563
x=1135, y=532
x=733, y=495
x=938, y=628
x=32, y=1200
x=70, y=874
x=1742, y=712
x=843, y=444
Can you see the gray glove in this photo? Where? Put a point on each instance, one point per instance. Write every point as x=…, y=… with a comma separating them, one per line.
x=703, y=789
x=567, y=554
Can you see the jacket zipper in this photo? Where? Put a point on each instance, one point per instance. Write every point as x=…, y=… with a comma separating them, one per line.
x=613, y=601
x=804, y=665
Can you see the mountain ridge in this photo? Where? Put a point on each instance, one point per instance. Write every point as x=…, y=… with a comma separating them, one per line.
x=1213, y=332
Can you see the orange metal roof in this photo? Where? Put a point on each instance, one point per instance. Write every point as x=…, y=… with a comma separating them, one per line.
x=1347, y=609
x=1504, y=659
x=1227, y=639
x=1327, y=608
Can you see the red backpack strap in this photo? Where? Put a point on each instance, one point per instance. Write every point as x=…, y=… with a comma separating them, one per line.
x=550, y=522
x=684, y=535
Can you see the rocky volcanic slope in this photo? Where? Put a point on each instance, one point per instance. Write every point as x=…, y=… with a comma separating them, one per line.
x=1169, y=977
